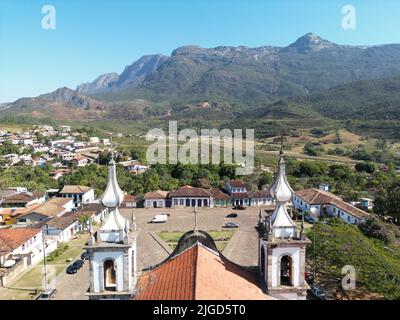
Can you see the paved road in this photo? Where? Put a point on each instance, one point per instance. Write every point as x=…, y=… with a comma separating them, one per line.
x=73, y=287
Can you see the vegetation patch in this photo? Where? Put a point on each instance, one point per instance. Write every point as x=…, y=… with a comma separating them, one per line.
x=377, y=265
x=221, y=237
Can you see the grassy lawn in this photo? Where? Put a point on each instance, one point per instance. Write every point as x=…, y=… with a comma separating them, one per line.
x=25, y=287
x=221, y=237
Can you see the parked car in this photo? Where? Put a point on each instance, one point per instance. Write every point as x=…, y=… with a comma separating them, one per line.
x=47, y=294
x=231, y=225
x=317, y=292
x=160, y=218
x=232, y=215
x=239, y=207
x=73, y=268
x=85, y=255
x=309, y=219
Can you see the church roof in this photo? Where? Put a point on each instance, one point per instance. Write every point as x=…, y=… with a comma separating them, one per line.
x=199, y=273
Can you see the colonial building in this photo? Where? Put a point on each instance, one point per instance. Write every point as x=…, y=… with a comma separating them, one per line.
x=112, y=250
x=282, y=246
x=55, y=207
x=156, y=199
x=221, y=199
x=23, y=199
x=189, y=196
x=317, y=203
x=80, y=194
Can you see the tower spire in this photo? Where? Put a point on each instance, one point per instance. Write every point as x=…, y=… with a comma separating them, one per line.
x=282, y=223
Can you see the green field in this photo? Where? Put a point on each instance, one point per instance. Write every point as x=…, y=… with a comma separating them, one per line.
x=221, y=237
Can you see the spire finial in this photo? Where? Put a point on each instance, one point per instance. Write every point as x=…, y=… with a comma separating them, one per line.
x=281, y=151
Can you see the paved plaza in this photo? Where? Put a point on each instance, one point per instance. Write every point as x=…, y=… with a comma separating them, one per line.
x=241, y=249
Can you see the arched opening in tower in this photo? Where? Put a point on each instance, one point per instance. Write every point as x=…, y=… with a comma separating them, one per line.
x=286, y=271
x=110, y=281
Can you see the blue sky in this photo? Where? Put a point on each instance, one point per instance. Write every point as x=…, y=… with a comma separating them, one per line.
x=95, y=37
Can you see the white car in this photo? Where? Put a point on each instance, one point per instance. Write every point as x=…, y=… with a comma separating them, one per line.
x=160, y=218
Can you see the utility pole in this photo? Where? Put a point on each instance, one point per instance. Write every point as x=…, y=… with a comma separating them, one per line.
x=44, y=262
x=314, y=252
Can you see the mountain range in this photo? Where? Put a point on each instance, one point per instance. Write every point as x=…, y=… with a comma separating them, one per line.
x=311, y=75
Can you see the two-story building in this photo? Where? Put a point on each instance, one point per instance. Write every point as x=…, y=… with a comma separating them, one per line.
x=80, y=194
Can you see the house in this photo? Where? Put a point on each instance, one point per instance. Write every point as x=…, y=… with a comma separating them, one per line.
x=58, y=173
x=54, y=207
x=11, y=191
x=189, y=196
x=220, y=199
x=96, y=211
x=25, y=244
x=62, y=228
x=367, y=203
x=156, y=199
x=130, y=201
x=80, y=194
x=235, y=186
x=260, y=197
x=238, y=192
x=240, y=196
x=64, y=129
x=318, y=203
x=23, y=199
x=67, y=156
x=80, y=161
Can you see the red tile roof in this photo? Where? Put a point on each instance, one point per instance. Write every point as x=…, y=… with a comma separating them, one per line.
x=189, y=191
x=316, y=196
x=199, y=273
x=237, y=183
x=159, y=194
x=23, y=197
x=259, y=194
x=240, y=195
x=12, y=238
x=217, y=194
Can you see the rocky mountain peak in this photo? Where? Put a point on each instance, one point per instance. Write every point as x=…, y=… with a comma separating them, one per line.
x=310, y=42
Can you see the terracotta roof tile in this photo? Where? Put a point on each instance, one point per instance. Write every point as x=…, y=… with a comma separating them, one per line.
x=237, y=184
x=159, y=194
x=189, y=191
x=12, y=238
x=316, y=196
x=217, y=194
x=75, y=189
x=198, y=273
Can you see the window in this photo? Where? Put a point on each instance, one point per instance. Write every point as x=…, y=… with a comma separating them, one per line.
x=181, y=202
x=175, y=201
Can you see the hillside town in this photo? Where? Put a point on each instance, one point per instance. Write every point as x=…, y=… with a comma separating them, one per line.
x=36, y=225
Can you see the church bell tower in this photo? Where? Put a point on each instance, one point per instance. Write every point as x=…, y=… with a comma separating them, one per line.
x=282, y=246
x=112, y=250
